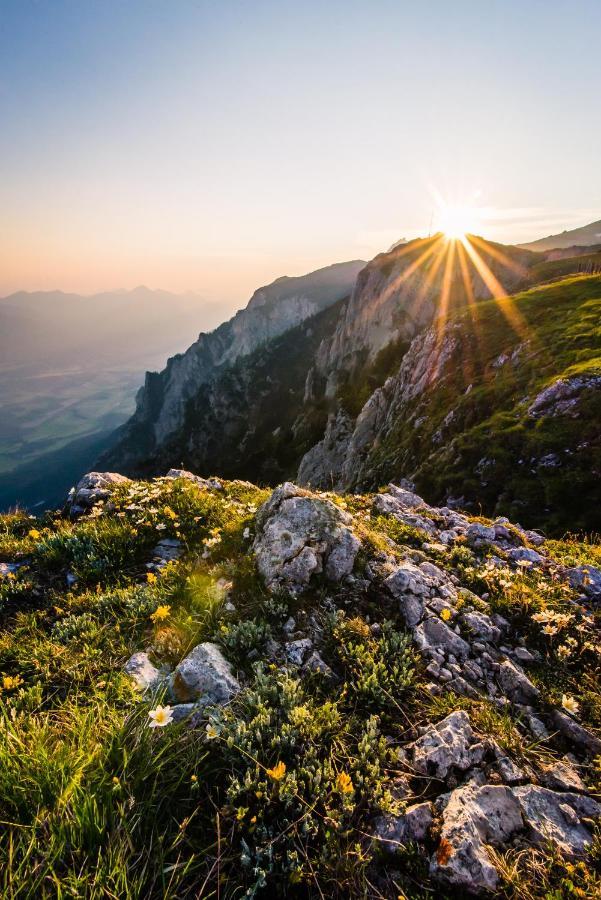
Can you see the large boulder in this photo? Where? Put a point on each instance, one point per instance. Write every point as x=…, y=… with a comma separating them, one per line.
x=300, y=535
x=474, y=817
x=205, y=676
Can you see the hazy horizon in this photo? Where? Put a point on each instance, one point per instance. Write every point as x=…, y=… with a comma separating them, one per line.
x=212, y=148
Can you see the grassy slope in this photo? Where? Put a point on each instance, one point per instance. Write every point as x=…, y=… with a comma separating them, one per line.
x=95, y=804
x=557, y=329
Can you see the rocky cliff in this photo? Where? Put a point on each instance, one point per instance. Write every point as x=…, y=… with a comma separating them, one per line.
x=499, y=404
x=431, y=371
x=272, y=310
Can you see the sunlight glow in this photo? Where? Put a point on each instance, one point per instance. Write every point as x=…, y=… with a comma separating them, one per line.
x=457, y=221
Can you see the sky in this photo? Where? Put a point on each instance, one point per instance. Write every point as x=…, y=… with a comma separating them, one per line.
x=214, y=145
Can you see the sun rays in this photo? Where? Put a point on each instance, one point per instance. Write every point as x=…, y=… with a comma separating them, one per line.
x=455, y=269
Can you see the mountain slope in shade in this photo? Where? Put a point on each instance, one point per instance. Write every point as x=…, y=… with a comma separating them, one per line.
x=587, y=236
x=161, y=420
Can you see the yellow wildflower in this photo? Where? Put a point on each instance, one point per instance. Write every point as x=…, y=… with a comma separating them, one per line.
x=151, y=577
x=278, y=771
x=344, y=783
x=241, y=812
x=161, y=613
x=160, y=716
x=169, y=513
x=34, y=533
x=10, y=682
x=445, y=614
x=569, y=704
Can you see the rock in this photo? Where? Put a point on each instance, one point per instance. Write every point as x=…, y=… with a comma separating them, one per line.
x=516, y=685
x=167, y=550
x=433, y=633
x=478, y=535
x=183, y=711
x=562, y=776
x=207, y=484
x=93, y=487
x=299, y=535
x=315, y=663
x=296, y=651
x=327, y=456
x=524, y=655
x=448, y=745
x=474, y=817
x=396, y=831
x=587, y=579
x=407, y=498
x=204, y=675
x=562, y=397
x=558, y=817
x=481, y=626
x=526, y=554
x=142, y=671
x=575, y=732
x=507, y=769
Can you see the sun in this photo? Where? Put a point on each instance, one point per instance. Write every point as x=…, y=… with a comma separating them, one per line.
x=457, y=221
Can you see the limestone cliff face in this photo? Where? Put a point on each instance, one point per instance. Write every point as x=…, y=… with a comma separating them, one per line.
x=482, y=410
x=273, y=310
x=399, y=293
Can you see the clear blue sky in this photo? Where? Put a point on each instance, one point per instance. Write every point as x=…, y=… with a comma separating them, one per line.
x=213, y=145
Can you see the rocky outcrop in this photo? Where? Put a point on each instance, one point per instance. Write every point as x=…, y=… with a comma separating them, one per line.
x=562, y=398
x=92, y=488
x=298, y=536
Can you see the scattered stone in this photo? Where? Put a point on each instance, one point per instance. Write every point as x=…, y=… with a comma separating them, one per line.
x=91, y=488
x=526, y=554
x=448, y=745
x=142, y=671
x=315, y=663
x=481, y=626
x=433, y=633
x=478, y=535
x=587, y=579
x=396, y=831
x=208, y=484
x=296, y=651
x=516, y=685
x=204, y=675
x=575, y=732
x=560, y=775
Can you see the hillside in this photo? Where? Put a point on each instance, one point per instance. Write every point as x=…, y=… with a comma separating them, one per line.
x=577, y=237
x=422, y=375
x=210, y=689
x=162, y=403
x=499, y=405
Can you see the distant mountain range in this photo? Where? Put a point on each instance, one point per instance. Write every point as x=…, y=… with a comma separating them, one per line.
x=587, y=236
